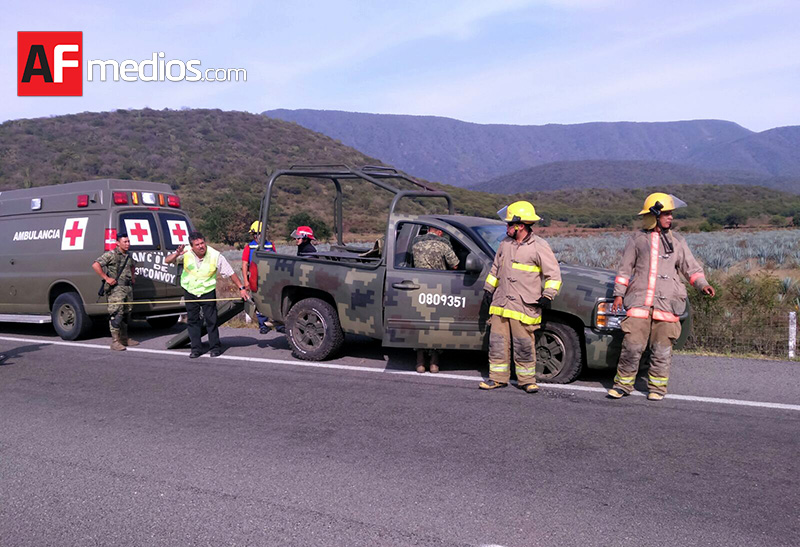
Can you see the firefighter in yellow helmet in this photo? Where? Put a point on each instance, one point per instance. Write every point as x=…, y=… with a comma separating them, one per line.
x=649, y=286
x=264, y=324
x=524, y=279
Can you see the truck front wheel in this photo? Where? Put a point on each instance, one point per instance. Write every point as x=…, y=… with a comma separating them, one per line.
x=559, y=355
x=69, y=318
x=313, y=330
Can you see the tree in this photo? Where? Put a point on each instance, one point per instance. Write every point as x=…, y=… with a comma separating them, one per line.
x=228, y=221
x=735, y=219
x=225, y=224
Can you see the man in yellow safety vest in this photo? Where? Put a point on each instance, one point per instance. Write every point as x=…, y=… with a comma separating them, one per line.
x=199, y=281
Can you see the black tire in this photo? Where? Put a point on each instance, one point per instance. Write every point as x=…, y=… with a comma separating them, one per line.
x=313, y=330
x=559, y=354
x=163, y=322
x=69, y=318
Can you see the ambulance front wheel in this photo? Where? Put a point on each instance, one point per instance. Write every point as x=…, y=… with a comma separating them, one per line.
x=69, y=318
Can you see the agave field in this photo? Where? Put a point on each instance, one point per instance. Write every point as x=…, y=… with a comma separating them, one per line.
x=716, y=250
x=750, y=314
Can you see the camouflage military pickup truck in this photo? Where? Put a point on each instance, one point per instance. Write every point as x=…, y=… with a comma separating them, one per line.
x=379, y=293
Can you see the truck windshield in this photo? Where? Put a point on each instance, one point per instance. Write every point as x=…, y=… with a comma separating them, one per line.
x=492, y=234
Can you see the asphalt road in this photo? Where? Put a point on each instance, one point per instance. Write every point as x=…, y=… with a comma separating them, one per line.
x=149, y=447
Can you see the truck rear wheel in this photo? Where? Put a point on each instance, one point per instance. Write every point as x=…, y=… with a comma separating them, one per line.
x=313, y=330
x=559, y=355
x=69, y=318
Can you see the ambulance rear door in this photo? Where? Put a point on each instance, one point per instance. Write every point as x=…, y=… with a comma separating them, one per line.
x=154, y=235
x=175, y=229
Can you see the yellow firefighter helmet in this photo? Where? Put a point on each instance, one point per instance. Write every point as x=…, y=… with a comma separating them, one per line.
x=519, y=211
x=255, y=227
x=660, y=201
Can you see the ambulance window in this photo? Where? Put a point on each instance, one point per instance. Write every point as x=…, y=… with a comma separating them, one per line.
x=176, y=229
x=141, y=230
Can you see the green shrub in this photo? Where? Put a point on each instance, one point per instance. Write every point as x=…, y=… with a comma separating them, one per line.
x=707, y=226
x=778, y=220
x=749, y=314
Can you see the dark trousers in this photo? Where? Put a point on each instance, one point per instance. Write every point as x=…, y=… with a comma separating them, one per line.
x=195, y=325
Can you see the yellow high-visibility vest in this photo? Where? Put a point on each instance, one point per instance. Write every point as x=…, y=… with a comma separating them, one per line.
x=202, y=279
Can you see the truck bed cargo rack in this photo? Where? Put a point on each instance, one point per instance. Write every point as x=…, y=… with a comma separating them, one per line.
x=375, y=174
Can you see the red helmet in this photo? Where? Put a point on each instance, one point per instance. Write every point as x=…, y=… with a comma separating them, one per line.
x=302, y=232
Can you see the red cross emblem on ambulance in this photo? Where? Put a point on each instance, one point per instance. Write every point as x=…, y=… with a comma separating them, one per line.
x=138, y=231
x=74, y=234
x=178, y=232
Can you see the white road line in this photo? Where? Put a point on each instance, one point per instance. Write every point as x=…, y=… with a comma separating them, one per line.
x=443, y=375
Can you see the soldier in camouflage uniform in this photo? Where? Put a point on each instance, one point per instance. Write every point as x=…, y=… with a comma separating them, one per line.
x=119, y=289
x=432, y=251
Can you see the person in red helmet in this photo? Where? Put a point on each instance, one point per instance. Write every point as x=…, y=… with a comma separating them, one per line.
x=303, y=235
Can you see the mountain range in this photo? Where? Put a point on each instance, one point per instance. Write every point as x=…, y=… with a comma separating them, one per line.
x=623, y=174
x=219, y=163
x=474, y=155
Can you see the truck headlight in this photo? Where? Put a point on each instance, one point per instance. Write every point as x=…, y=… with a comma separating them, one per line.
x=605, y=319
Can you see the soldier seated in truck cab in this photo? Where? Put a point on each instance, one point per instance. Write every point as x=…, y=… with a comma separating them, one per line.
x=432, y=251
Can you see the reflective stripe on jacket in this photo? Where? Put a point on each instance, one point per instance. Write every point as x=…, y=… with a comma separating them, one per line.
x=649, y=276
x=521, y=273
x=200, y=279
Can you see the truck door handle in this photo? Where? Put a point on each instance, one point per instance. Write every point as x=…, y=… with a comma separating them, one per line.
x=405, y=285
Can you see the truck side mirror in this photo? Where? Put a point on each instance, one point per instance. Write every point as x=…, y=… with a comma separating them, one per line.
x=473, y=264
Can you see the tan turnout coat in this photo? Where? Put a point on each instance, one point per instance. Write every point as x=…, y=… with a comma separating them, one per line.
x=649, y=276
x=521, y=273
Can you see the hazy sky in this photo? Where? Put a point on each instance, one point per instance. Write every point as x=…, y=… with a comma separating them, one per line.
x=499, y=61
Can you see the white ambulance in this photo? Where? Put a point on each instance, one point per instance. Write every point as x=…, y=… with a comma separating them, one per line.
x=51, y=235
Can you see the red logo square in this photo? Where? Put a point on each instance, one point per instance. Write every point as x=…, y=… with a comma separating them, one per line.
x=49, y=63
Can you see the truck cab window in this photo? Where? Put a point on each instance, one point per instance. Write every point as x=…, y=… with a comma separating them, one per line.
x=409, y=233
